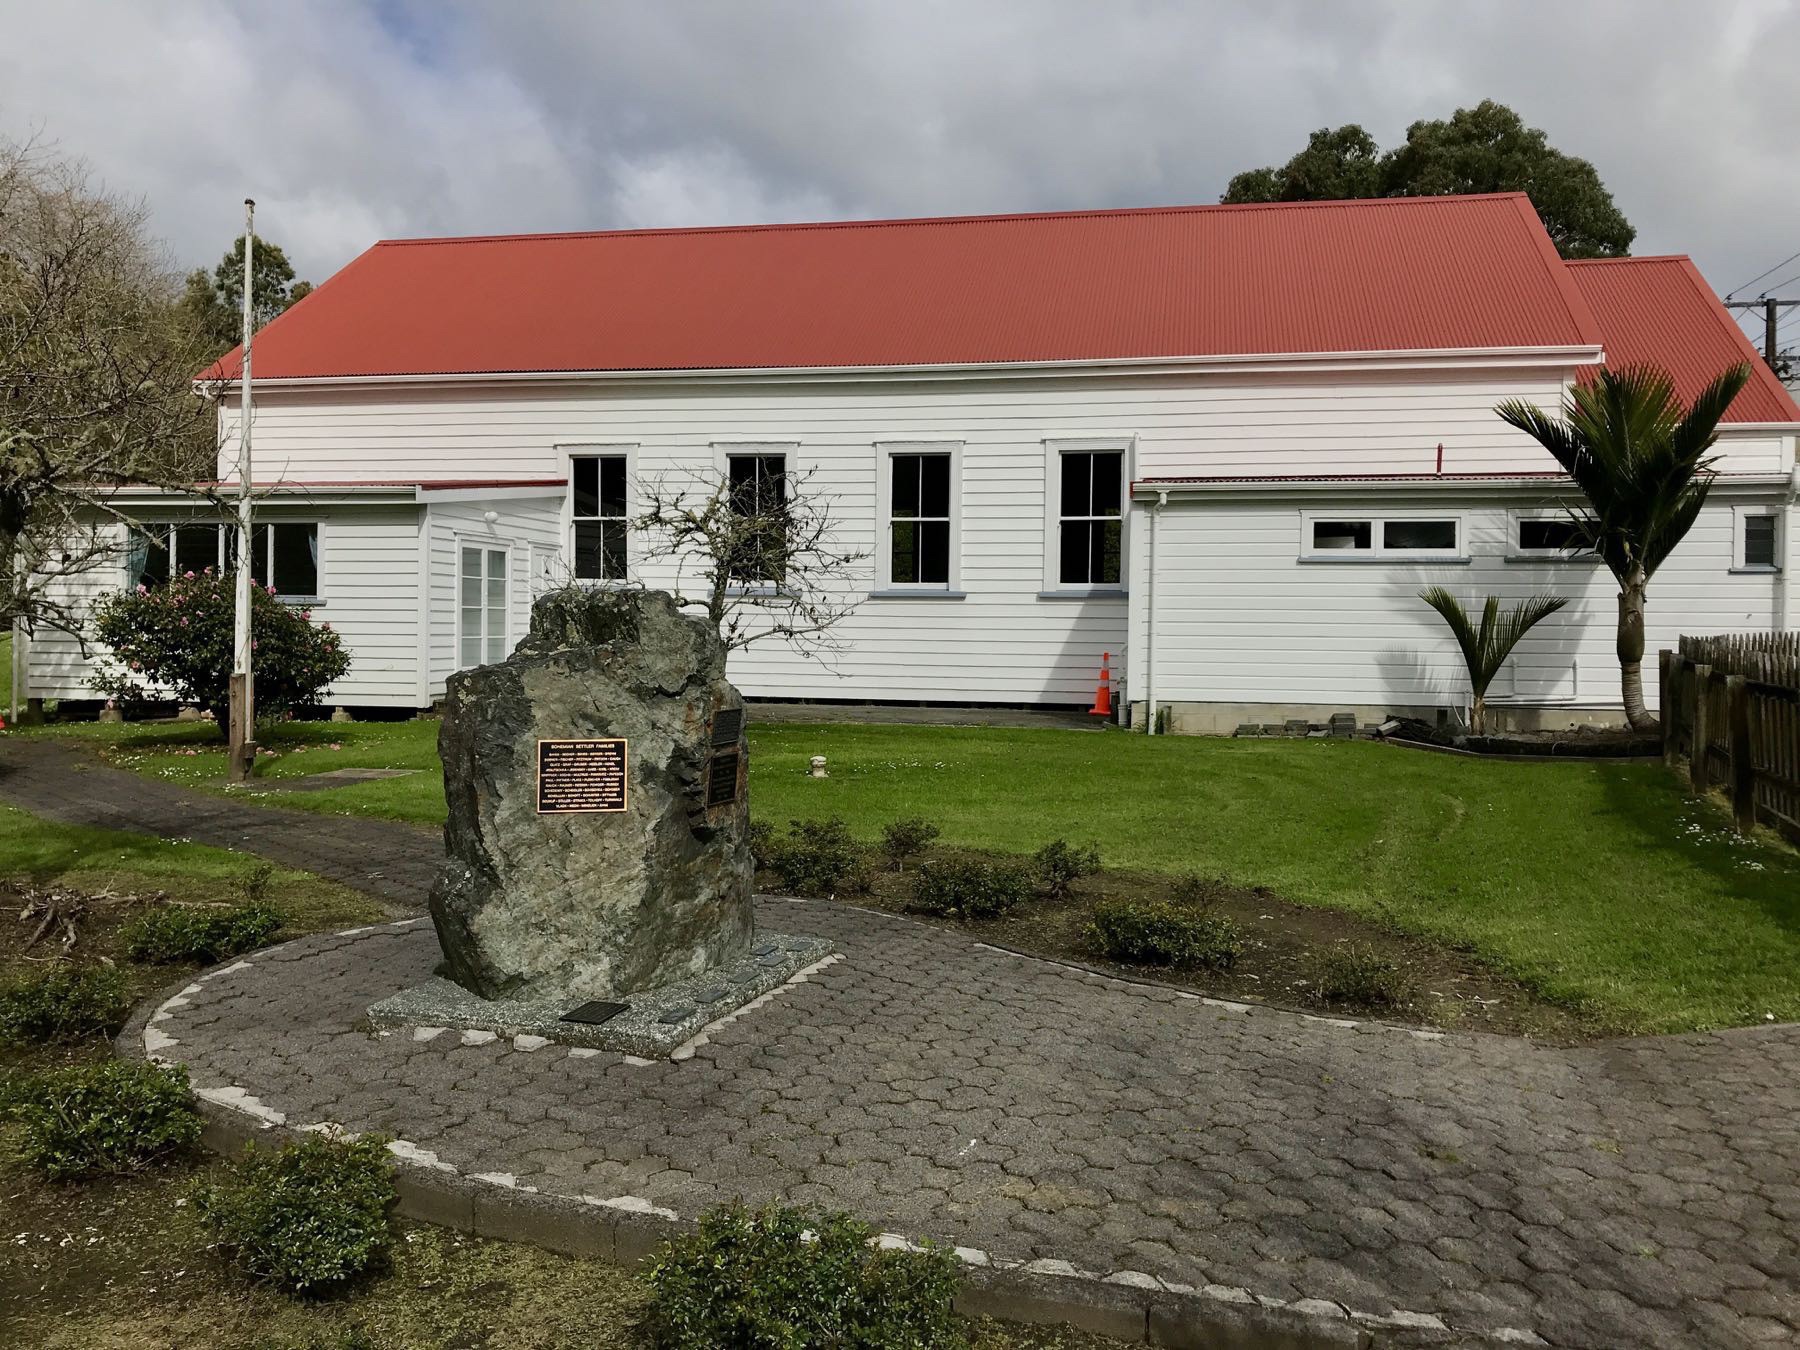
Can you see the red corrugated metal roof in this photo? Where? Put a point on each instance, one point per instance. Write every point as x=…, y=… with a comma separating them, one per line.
x=1429, y=273
x=1661, y=311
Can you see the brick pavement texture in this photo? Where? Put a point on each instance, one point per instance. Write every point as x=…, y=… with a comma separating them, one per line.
x=1641, y=1193
x=1635, y=1193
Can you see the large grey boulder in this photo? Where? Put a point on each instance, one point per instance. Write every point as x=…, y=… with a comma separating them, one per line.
x=592, y=905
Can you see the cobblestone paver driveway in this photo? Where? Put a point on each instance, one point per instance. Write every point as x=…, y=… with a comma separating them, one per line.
x=1641, y=1193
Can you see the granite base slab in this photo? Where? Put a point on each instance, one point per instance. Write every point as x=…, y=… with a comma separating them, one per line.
x=653, y=1025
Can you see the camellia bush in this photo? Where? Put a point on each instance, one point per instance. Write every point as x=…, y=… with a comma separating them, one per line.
x=175, y=642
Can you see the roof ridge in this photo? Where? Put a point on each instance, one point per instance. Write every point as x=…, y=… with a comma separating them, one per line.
x=1439, y=199
x=1628, y=258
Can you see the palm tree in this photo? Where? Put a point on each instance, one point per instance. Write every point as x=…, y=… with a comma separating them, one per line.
x=1640, y=459
x=1485, y=649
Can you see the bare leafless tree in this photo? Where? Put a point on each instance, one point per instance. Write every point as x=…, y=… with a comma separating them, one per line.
x=97, y=362
x=760, y=557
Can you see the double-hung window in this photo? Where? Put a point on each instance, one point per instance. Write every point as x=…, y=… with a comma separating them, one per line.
x=599, y=512
x=482, y=591
x=919, y=493
x=1090, y=539
x=758, y=493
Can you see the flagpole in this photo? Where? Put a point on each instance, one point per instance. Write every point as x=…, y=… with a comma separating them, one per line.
x=242, y=751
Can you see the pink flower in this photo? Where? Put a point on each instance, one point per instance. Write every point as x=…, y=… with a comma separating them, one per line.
x=253, y=642
x=184, y=622
x=187, y=576
x=336, y=746
x=136, y=666
x=271, y=590
x=326, y=625
x=143, y=589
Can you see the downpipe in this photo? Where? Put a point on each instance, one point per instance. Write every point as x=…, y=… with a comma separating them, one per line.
x=1162, y=500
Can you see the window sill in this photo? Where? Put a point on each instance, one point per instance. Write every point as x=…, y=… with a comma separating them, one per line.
x=1359, y=559
x=1756, y=570
x=1589, y=559
x=1085, y=593
x=760, y=591
x=917, y=593
x=301, y=601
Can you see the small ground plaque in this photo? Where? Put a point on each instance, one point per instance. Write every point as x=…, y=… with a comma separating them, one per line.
x=578, y=776
x=594, y=1012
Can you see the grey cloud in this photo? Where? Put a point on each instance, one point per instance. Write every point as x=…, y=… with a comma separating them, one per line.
x=353, y=121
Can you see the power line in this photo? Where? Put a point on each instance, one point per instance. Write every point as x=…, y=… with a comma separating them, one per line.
x=1760, y=275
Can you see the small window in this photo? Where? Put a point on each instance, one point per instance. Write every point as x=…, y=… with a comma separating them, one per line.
x=482, y=586
x=1331, y=535
x=1418, y=536
x=919, y=524
x=285, y=556
x=1377, y=538
x=599, y=510
x=147, y=556
x=758, y=487
x=197, y=548
x=1760, y=536
x=1090, y=520
x=1550, y=534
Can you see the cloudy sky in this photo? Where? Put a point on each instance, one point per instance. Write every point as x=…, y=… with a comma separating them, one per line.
x=351, y=121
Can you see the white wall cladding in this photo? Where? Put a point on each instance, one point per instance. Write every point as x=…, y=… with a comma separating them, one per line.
x=1002, y=642
x=369, y=577
x=529, y=529
x=1240, y=619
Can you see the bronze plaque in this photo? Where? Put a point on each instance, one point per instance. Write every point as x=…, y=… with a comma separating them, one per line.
x=580, y=776
x=722, y=778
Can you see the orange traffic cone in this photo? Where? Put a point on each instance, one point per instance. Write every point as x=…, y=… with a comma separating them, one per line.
x=1103, y=695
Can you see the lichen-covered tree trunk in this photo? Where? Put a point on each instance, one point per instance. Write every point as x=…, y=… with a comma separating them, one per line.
x=1631, y=650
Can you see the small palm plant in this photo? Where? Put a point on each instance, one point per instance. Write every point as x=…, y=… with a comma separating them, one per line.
x=1639, y=457
x=1486, y=648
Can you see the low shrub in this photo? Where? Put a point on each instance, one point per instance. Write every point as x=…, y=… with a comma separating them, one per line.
x=795, y=1279
x=967, y=889
x=818, y=858
x=907, y=838
x=1061, y=864
x=109, y=1117
x=64, y=1003
x=1355, y=973
x=198, y=933
x=1156, y=933
x=1198, y=892
x=306, y=1216
x=760, y=836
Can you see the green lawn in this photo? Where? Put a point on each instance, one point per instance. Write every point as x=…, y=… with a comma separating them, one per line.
x=1598, y=885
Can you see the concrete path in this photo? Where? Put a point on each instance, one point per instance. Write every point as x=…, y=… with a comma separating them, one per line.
x=388, y=861
x=1639, y=1193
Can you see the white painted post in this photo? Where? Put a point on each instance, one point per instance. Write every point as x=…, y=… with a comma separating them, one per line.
x=243, y=696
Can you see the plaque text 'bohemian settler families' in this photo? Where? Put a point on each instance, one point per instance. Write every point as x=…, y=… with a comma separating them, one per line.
x=574, y=776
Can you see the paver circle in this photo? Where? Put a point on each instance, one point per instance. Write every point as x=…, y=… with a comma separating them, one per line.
x=1628, y=1193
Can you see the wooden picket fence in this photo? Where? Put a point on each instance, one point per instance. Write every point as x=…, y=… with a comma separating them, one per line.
x=1731, y=709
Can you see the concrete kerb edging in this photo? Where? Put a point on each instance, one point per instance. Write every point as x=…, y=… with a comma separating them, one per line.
x=1126, y=1305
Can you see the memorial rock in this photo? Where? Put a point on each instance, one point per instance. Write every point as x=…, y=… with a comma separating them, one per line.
x=597, y=834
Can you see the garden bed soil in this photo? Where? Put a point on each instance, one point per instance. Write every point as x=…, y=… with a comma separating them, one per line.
x=1282, y=945
x=1567, y=743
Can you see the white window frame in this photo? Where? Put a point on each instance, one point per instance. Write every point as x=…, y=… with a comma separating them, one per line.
x=885, y=585
x=1054, y=449
x=1739, y=514
x=1377, y=552
x=723, y=451
x=485, y=547
x=1517, y=552
x=224, y=533
x=567, y=455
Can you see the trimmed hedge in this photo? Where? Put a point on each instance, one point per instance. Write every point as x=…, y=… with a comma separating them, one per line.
x=107, y=1118
x=198, y=933
x=64, y=1003
x=1156, y=933
x=965, y=889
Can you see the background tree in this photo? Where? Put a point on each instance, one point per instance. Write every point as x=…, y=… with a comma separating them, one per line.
x=97, y=358
x=1487, y=148
x=216, y=302
x=1486, y=646
x=1640, y=459
x=760, y=557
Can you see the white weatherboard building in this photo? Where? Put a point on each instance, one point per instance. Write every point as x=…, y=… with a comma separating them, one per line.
x=1228, y=445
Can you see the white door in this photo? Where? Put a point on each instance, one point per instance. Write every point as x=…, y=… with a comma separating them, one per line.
x=483, y=586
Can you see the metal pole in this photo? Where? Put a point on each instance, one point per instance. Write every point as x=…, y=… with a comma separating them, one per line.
x=243, y=706
x=1770, y=324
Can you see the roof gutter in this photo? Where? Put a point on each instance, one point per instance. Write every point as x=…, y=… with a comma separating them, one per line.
x=1164, y=488
x=1262, y=363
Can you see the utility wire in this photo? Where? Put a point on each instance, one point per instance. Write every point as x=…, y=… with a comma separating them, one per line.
x=1760, y=275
